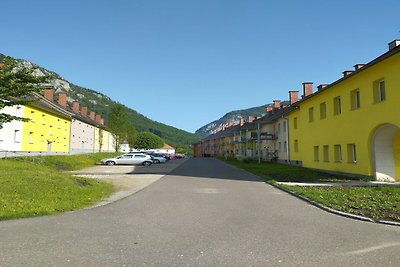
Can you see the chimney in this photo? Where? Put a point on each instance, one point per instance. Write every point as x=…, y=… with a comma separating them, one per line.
x=393, y=44
x=277, y=104
x=241, y=122
x=92, y=115
x=322, y=86
x=251, y=119
x=268, y=108
x=49, y=93
x=293, y=96
x=102, y=121
x=84, y=111
x=358, y=66
x=283, y=106
x=307, y=89
x=98, y=118
x=62, y=99
x=75, y=106
x=347, y=72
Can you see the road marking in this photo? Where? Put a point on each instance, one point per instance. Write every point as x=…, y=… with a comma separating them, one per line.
x=370, y=249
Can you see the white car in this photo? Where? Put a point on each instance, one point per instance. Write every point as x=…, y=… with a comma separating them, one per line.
x=129, y=159
x=158, y=159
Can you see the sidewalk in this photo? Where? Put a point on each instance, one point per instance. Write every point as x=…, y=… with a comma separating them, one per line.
x=128, y=179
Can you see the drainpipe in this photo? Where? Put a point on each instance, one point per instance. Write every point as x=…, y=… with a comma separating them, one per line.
x=287, y=140
x=258, y=143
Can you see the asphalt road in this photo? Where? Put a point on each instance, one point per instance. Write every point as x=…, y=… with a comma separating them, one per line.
x=204, y=213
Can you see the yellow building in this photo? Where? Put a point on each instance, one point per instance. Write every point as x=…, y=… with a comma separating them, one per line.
x=48, y=128
x=104, y=142
x=352, y=125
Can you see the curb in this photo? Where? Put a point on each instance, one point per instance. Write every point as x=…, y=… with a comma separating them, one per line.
x=333, y=211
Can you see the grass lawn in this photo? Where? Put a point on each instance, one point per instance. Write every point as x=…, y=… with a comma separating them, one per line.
x=377, y=202
x=35, y=186
x=284, y=173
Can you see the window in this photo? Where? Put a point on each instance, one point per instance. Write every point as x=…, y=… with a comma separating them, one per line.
x=279, y=146
x=379, y=91
x=355, y=99
x=284, y=146
x=32, y=115
x=30, y=137
x=279, y=128
x=338, y=153
x=295, y=123
x=17, y=136
x=296, y=145
x=58, y=124
x=43, y=119
x=326, y=153
x=284, y=126
x=351, y=153
x=322, y=110
x=311, y=114
x=337, y=106
x=316, y=153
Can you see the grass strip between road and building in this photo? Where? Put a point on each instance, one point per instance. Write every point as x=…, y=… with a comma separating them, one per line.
x=35, y=186
x=378, y=202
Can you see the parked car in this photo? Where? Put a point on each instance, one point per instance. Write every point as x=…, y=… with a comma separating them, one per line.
x=157, y=158
x=129, y=159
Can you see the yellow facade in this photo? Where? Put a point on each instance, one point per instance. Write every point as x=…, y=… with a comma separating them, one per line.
x=101, y=139
x=45, y=132
x=355, y=137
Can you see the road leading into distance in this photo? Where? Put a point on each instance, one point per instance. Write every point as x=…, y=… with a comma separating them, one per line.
x=204, y=213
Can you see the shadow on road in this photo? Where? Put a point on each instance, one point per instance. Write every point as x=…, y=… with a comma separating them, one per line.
x=212, y=168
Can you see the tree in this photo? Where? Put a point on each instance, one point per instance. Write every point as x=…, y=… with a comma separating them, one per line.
x=17, y=85
x=131, y=135
x=118, y=123
x=146, y=140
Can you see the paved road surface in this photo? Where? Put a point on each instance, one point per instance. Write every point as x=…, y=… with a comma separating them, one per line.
x=204, y=213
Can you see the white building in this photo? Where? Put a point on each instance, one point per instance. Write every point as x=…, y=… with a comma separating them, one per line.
x=11, y=132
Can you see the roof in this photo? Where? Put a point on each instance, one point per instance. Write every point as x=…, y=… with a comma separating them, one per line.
x=166, y=146
x=375, y=61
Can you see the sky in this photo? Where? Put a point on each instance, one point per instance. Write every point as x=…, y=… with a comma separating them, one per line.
x=186, y=63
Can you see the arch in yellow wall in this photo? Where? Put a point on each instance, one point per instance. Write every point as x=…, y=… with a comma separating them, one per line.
x=385, y=149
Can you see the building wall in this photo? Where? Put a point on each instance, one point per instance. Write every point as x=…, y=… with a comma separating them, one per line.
x=45, y=132
x=352, y=127
x=105, y=139
x=82, y=137
x=11, y=132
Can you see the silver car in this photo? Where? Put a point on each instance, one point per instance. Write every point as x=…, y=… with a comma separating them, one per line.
x=129, y=159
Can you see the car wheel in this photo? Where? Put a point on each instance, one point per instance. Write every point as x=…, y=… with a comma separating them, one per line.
x=111, y=163
x=156, y=161
x=146, y=163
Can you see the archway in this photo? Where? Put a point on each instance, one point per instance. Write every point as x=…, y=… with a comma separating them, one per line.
x=385, y=144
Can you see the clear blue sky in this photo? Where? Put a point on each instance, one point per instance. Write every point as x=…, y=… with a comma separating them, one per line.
x=188, y=62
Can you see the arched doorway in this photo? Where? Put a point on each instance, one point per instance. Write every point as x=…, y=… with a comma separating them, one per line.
x=385, y=151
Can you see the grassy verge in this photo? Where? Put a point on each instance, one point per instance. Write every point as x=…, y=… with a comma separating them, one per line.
x=66, y=162
x=284, y=173
x=376, y=202
x=36, y=186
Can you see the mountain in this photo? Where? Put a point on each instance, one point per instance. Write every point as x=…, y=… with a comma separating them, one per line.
x=101, y=104
x=232, y=117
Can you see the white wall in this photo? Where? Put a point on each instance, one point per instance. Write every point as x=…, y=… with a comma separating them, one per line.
x=11, y=133
x=82, y=137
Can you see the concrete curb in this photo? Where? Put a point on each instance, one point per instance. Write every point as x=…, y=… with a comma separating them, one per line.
x=337, y=212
